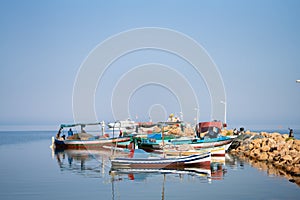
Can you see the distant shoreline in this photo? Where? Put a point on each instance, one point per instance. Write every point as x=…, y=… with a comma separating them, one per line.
x=56, y=127
x=29, y=127
x=247, y=126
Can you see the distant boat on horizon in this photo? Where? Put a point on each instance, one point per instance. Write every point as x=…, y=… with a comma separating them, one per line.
x=122, y=124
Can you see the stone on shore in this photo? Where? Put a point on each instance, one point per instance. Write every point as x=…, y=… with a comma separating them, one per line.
x=276, y=149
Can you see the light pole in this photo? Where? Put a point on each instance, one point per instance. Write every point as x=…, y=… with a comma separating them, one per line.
x=197, y=115
x=225, y=105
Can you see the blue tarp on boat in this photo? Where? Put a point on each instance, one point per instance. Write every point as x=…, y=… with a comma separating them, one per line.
x=156, y=136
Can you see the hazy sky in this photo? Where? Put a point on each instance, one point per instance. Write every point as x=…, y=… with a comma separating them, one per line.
x=255, y=45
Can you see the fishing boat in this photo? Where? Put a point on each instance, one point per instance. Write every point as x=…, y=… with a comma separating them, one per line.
x=209, y=129
x=83, y=140
x=220, y=141
x=215, y=152
x=208, y=136
x=198, y=160
x=137, y=138
x=154, y=145
x=124, y=124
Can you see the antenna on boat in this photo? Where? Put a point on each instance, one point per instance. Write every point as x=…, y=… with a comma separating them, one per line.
x=102, y=127
x=162, y=124
x=113, y=149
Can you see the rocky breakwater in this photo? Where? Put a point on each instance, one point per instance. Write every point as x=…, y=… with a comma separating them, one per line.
x=278, y=150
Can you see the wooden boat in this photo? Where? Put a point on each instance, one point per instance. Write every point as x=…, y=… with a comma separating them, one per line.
x=205, y=143
x=209, y=129
x=137, y=138
x=215, y=152
x=87, y=144
x=83, y=140
x=122, y=124
x=198, y=160
x=208, y=134
x=154, y=145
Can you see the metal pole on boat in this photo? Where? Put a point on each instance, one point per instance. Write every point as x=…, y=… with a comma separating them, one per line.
x=113, y=152
x=114, y=127
x=102, y=127
x=163, y=138
x=82, y=126
x=114, y=135
x=163, y=135
x=225, y=105
x=298, y=81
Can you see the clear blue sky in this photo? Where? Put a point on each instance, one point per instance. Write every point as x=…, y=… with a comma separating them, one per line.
x=255, y=44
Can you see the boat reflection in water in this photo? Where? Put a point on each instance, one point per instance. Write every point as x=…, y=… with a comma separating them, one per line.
x=199, y=175
x=96, y=164
x=142, y=174
x=91, y=163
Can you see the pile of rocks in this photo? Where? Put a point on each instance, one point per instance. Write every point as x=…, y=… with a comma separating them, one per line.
x=274, y=148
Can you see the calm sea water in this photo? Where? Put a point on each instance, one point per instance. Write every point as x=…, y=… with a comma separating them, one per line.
x=29, y=169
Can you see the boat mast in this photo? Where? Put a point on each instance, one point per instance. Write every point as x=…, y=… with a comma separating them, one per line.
x=113, y=149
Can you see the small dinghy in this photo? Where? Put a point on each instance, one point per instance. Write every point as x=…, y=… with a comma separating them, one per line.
x=198, y=160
